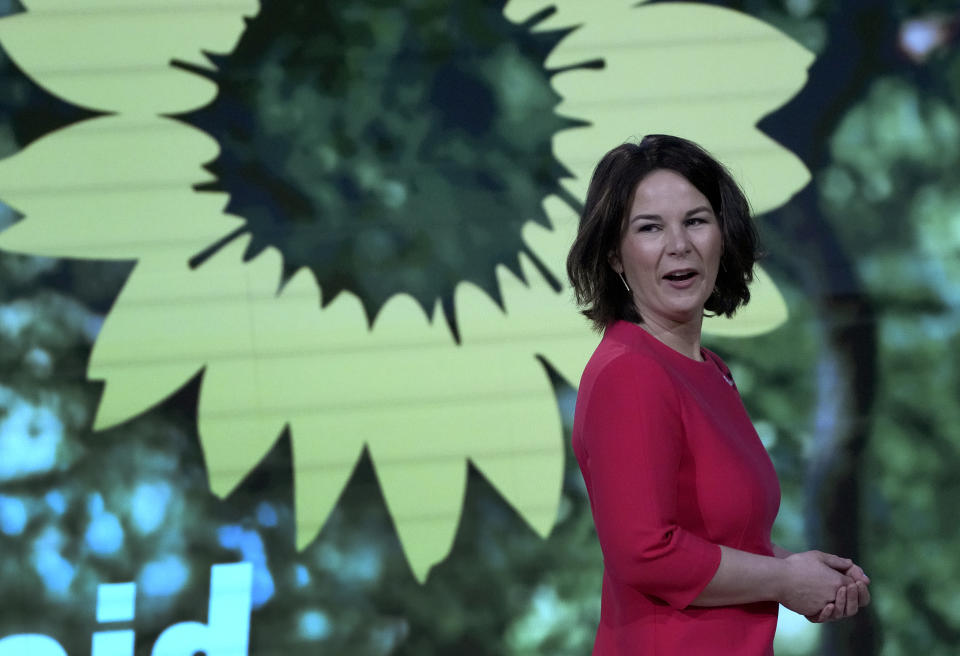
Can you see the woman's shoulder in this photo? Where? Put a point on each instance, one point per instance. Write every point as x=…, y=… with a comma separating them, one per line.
x=624, y=347
x=612, y=357
x=615, y=364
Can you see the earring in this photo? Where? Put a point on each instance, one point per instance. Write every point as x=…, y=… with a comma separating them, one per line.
x=624, y=280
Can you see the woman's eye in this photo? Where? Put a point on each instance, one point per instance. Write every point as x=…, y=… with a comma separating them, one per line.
x=648, y=227
x=696, y=220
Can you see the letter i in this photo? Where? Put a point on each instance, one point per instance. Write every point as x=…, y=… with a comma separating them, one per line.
x=115, y=603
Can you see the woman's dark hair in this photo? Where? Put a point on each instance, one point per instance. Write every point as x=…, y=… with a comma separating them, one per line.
x=609, y=198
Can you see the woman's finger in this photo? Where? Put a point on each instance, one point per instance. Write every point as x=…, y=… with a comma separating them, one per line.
x=825, y=615
x=857, y=574
x=863, y=594
x=853, y=599
x=836, y=562
x=841, y=602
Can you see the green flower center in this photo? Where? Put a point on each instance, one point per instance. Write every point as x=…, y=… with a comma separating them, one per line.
x=389, y=147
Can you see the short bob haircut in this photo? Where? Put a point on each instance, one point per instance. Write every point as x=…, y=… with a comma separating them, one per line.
x=609, y=198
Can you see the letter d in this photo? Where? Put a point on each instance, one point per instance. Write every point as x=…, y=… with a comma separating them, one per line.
x=227, y=631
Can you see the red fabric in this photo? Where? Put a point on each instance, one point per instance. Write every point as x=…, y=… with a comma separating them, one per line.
x=674, y=468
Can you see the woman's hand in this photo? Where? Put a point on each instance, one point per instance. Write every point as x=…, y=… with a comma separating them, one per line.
x=850, y=598
x=816, y=584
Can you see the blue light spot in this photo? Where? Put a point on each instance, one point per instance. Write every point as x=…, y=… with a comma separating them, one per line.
x=361, y=564
x=364, y=564
x=38, y=361
x=57, y=501
x=302, y=576
x=14, y=318
x=230, y=536
x=95, y=504
x=919, y=37
x=266, y=515
x=314, y=625
x=250, y=545
x=55, y=571
x=29, y=438
x=164, y=577
x=104, y=534
x=148, y=505
x=263, y=585
x=13, y=515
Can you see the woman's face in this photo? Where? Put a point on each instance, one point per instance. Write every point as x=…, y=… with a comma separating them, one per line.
x=670, y=249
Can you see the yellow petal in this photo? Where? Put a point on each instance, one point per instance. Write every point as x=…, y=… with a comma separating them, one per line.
x=765, y=312
x=132, y=386
x=167, y=323
x=322, y=468
x=517, y=431
x=702, y=72
x=424, y=493
x=115, y=55
x=236, y=420
x=113, y=188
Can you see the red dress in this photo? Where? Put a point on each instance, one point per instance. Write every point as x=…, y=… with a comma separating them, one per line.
x=674, y=468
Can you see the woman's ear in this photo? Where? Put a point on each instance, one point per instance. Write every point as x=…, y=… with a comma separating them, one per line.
x=614, y=259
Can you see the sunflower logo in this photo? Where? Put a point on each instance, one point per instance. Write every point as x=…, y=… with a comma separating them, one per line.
x=352, y=217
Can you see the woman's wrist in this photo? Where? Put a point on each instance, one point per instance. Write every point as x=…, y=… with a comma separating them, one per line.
x=783, y=580
x=780, y=552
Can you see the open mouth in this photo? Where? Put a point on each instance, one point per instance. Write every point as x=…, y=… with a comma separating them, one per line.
x=680, y=276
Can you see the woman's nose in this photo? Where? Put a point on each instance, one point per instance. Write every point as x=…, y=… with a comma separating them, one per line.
x=678, y=242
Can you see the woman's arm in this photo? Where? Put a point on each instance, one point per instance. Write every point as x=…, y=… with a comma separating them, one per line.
x=626, y=439
x=821, y=586
x=804, y=582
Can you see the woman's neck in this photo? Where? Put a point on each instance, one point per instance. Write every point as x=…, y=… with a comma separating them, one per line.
x=681, y=337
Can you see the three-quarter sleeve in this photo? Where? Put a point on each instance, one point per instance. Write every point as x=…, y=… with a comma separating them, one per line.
x=629, y=439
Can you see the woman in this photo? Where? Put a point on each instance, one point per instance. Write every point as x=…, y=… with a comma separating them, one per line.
x=682, y=491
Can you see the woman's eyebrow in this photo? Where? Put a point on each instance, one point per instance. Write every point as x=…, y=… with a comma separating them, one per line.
x=646, y=217
x=657, y=217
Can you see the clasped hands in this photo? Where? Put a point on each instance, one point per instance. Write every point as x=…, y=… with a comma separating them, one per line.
x=824, y=587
